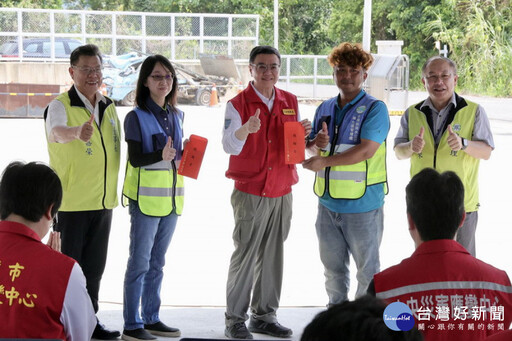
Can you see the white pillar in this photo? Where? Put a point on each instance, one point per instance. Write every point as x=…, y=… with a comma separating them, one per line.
x=367, y=25
x=276, y=24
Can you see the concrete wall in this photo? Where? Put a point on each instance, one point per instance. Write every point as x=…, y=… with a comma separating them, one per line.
x=57, y=73
x=35, y=73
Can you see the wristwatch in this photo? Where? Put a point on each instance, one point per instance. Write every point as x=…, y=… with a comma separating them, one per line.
x=464, y=143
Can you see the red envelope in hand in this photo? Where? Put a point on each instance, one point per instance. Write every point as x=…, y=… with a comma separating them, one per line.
x=193, y=156
x=294, y=143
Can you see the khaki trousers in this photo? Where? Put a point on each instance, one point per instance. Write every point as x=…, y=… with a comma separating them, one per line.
x=261, y=227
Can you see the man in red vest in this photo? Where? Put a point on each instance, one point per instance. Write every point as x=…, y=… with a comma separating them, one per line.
x=42, y=292
x=262, y=200
x=452, y=295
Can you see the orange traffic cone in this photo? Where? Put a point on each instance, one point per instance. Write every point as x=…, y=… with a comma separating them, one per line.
x=103, y=89
x=214, y=100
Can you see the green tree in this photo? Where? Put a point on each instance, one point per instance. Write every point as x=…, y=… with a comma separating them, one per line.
x=303, y=26
x=346, y=21
x=480, y=44
x=50, y=4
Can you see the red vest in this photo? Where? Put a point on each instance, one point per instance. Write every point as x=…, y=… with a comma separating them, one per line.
x=453, y=296
x=34, y=280
x=260, y=169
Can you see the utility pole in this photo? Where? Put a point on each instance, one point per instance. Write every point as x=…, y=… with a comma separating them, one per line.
x=276, y=24
x=367, y=25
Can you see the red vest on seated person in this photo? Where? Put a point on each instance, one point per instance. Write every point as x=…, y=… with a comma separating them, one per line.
x=452, y=295
x=33, y=283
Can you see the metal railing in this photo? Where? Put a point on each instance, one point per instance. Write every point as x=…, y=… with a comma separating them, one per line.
x=179, y=36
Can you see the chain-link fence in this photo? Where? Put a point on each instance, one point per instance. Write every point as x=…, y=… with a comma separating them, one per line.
x=179, y=36
x=51, y=35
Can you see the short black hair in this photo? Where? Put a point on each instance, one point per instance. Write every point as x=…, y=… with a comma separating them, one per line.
x=361, y=319
x=28, y=190
x=435, y=202
x=142, y=91
x=263, y=49
x=84, y=50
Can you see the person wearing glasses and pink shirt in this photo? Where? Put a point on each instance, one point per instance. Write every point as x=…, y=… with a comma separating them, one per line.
x=447, y=132
x=154, y=192
x=262, y=200
x=83, y=134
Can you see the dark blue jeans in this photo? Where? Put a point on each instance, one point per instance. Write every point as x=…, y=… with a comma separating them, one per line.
x=149, y=239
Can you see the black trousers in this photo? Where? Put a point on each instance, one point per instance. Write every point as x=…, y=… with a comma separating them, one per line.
x=84, y=237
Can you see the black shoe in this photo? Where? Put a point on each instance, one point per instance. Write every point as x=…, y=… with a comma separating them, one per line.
x=238, y=331
x=161, y=329
x=102, y=333
x=274, y=329
x=136, y=335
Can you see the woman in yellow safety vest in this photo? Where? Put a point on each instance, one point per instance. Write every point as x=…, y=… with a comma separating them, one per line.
x=154, y=192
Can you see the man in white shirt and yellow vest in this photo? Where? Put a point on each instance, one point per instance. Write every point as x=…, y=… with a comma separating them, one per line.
x=447, y=132
x=83, y=133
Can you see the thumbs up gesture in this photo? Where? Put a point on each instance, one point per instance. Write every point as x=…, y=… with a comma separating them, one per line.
x=168, y=153
x=85, y=130
x=322, y=138
x=253, y=124
x=454, y=140
x=418, y=142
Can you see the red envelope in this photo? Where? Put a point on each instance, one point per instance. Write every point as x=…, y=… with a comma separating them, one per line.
x=294, y=143
x=193, y=156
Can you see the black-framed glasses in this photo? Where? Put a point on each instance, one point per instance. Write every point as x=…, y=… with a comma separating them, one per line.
x=160, y=78
x=55, y=221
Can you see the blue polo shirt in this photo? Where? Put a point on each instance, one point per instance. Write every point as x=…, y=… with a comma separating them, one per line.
x=375, y=127
x=168, y=120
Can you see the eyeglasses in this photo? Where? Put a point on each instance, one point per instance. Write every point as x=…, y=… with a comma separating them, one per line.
x=55, y=221
x=262, y=68
x=342, y=70
x=88, y=70
x=434, y=78
x=160, y=78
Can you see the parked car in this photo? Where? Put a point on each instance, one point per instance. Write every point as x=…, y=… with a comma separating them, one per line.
x=121, y=73
x=39, y=48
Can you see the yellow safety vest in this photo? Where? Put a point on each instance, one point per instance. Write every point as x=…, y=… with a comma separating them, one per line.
x=351, y=181
x=442, y=158
x=88, y=171
x=157, y=188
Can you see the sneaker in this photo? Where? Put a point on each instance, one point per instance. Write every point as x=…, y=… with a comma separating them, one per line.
x=161, y=329
x=102, y=333
x=273, y=329
x=238, y=331
x=136, y=335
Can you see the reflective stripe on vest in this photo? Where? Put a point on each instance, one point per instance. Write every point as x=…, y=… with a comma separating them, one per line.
x=350, y=182
x=410, y=289
x=157, y=187
x=443, y=158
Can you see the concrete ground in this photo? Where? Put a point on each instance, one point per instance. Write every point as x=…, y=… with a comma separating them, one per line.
x=193, y=290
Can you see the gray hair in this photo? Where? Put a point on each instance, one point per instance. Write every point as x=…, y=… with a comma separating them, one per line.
x=445, y=59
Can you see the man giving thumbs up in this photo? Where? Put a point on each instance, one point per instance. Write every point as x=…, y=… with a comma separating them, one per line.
x=454, y=134
x=83, y=133
x=262, y=200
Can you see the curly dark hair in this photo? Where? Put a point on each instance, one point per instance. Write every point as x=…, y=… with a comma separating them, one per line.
x=350, y=54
